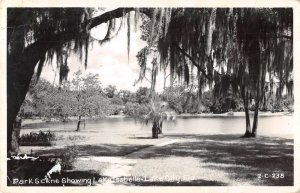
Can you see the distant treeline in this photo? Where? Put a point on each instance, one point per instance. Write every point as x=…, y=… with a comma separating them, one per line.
x=85, y=96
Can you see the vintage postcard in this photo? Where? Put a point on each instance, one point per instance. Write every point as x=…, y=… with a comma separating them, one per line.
x=150, y=96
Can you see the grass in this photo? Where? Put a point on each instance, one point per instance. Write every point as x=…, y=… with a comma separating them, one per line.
x=97, y=150
x=221, y=159
x=205, y=160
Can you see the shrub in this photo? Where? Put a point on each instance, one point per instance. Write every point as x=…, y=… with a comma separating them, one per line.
x=116, y=101
x=68, y=156
x=278, y=106
x=135, y=109
x=37, y=139
x=175, y=105
x=76, y=137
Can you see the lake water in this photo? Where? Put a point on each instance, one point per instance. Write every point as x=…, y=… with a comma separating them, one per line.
x=277, y=126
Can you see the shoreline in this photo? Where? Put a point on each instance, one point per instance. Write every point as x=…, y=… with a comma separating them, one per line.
x=235, y=114
x=184, y=115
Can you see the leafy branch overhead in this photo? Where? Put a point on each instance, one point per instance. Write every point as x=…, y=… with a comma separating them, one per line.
x=199, y=37
x=242, y=49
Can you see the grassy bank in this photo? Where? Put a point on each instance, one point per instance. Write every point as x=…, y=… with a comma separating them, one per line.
x=189, y=160
x=220, y=160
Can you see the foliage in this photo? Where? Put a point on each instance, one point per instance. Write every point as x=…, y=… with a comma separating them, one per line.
x=157, y=112
x=110, y=91
x=37, y=139
x=116, y=101
x=143, y=95
x=126, y=96
x=136, y=109
x=288, y=103
x=38, y=35
x=69, y=156
x=174, y=96
x=82, y=96
x=36, y=24
x=244, y=45
x=233, y=49
x=49, y=101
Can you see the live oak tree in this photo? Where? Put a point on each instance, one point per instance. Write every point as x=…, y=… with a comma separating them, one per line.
x=257, y=48
x=249, y=44
x=230, y=48
x=36, y=36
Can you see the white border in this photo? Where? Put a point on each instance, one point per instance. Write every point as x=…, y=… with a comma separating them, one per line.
x=146, y=3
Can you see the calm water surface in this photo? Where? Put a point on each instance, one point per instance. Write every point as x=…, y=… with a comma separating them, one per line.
x=278, y=126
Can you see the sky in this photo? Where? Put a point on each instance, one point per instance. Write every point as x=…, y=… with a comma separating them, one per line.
x=109, y=61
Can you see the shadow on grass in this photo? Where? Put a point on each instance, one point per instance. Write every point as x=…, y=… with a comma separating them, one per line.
x=140, y=137
x=242, y=158
x=98, y=150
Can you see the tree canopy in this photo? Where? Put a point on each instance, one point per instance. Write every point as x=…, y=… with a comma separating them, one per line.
x=229, y=47
x=232, y=48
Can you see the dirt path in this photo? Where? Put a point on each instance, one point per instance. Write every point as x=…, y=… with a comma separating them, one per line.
x=171, y=168
x=119, y=167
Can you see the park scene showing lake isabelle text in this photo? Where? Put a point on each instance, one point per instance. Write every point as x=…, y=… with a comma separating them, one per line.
x=161, y=96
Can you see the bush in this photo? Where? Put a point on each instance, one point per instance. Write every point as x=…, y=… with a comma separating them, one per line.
x=176, y=106
x=68, y=157
x=116, y=101
x=37, y=139
x=278, y=106
x=116, y=109
x=76, y=137
x=136, y=109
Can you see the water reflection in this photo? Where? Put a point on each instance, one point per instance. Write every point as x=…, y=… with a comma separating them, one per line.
x=279, y=126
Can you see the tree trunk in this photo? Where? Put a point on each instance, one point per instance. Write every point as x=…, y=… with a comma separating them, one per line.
x=19, y=73
x=199, y=93
x=165, y=79
x=84, y=122
x=265, y=103
x=255, y=119
x=21, y=63
x=14, y=145
x=78, y=123
x=155, y=130
x=160, y=127
x=248, y=125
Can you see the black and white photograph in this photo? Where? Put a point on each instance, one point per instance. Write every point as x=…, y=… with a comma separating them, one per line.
x=149, y=96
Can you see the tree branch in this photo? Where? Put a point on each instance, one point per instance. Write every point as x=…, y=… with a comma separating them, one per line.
x=193, y=61
x=62, y=37
x=93, y=22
